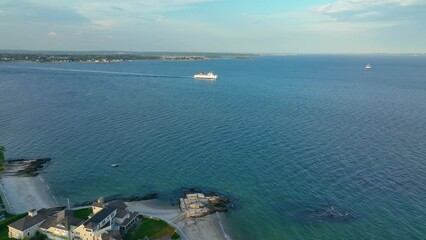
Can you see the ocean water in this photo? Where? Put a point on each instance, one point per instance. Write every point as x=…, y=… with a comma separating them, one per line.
x=310, y=147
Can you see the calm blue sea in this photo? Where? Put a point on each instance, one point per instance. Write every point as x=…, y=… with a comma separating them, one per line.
x=310, y=147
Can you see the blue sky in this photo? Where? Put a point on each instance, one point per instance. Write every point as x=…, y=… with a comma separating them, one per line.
x=269, y=26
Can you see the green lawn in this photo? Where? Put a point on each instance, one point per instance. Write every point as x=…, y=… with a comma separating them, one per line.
x=83, y=213
x=4, y=235
x=175, y=235
x=10, y=219
x=153, y=229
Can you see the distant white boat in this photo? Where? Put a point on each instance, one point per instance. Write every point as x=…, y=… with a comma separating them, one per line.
x=368, y=66
x=114, y=165
x=206, y=76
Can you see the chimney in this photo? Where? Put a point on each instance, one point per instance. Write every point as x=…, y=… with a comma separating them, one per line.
x=32, y=213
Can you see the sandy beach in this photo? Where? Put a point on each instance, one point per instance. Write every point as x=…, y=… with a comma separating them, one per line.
x=21, y=194
x=204, y=228
x=207, y=227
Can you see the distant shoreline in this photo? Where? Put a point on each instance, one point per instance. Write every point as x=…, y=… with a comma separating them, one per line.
x=117, y=57
x=91, y=58
x=109, y=57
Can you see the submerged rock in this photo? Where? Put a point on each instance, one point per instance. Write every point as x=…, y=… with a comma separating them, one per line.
x=325, y=213
x=329, y=214
x=316, y=211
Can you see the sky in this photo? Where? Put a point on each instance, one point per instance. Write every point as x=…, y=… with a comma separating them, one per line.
x=237, y=26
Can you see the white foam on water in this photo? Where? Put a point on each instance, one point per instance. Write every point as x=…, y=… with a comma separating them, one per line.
x=98, y=71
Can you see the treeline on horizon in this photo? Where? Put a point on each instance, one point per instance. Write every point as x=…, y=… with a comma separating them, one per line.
x=33, y=57
x=122, y=53
x=69, y=57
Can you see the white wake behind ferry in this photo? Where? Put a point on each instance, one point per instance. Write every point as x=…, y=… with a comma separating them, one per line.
x=206, y=76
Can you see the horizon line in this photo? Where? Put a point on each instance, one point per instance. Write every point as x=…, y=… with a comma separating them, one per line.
x=218, y=52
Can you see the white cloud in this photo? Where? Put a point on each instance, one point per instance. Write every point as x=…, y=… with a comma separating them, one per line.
x=106, y=23
x=142, y=25
x=340, y=6
x=52, y=34
x=100, y=13
x=109, y=13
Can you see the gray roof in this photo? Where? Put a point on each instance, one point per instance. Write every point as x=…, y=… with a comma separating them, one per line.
x=74, y=221
x=46, y=212
x=64, y=214
x=119, y=204
x=92, y=222
x=28, y=222
x=121, y=213
x=50, y=221
x=65, y=218
x=129, y=219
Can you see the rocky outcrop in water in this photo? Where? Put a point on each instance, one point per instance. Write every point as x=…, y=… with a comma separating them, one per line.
x=199, y=205
x=24, y=167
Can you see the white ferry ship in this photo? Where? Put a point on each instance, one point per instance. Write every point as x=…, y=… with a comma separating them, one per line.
x=207, y=76
x=368, y=66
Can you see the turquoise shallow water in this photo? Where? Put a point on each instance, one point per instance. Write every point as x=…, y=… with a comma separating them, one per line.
x=288, y=137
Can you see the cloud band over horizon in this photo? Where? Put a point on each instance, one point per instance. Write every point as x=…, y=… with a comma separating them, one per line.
x=325, y=26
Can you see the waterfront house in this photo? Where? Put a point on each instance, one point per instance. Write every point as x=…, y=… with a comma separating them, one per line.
x=124, y=219
x=109, y=221
x=61, y=225
x=30, y=224
x=95, y=226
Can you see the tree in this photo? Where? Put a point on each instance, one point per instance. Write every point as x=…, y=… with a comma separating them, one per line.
x=2, y=150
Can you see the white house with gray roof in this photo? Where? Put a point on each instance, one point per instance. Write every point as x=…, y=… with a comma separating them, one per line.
x=30, y=224
x=108, y=221
x=93, y=227
x=61, y=225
